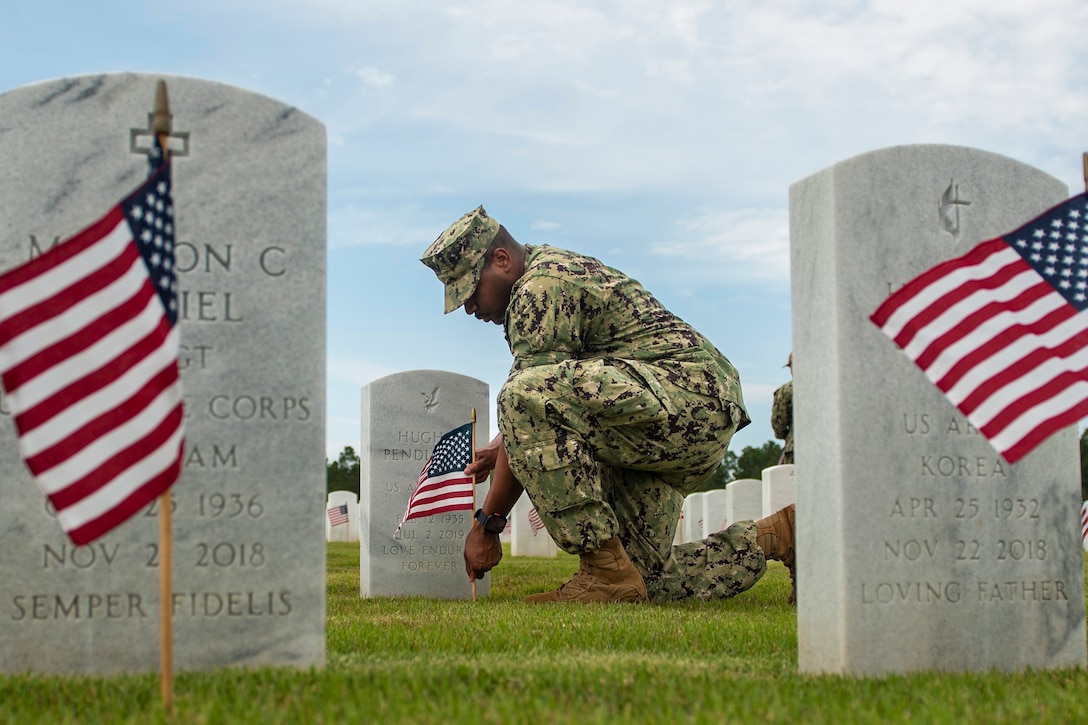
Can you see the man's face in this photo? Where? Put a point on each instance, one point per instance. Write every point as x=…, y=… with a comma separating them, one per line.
x=492, y=296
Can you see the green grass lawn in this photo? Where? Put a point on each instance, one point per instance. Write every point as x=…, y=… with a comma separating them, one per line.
x=499, y=660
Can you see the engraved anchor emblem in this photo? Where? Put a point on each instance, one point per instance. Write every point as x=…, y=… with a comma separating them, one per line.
x=948, y=211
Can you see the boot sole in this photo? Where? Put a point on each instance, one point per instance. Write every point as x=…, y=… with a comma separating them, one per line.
x=632, y=597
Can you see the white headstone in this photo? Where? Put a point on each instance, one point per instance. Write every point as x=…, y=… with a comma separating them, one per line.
x=919, y=547
x=403, y=416
x=528, y=535
x=778, y=488
x=348, y=530
x=248, y=543
x=694, y=527
x=714, y=518
x=744, y=500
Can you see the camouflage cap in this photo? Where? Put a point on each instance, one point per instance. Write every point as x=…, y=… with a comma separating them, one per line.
x=457, y=256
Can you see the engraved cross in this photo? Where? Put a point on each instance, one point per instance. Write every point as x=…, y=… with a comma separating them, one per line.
x=141, y=140
x=948, y=211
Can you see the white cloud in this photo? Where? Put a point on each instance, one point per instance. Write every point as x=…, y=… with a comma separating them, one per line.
x=973, y=61
x=738, y=99
x=353, y=225
x=735, y=244
x=374, y=77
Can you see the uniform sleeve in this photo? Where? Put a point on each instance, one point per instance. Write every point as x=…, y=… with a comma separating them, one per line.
x=548, y=320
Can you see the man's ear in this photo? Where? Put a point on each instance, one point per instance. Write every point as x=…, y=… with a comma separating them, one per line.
x=501, y=259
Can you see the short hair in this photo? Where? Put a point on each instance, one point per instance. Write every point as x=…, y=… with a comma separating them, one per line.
x=503, y=240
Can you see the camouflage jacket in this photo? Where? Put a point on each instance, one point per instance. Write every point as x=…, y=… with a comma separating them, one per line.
x=782, y=415
x=568, y=306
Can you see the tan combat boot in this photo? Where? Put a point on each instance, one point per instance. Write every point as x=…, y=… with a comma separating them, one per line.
x=774, y=534
x=605, y=575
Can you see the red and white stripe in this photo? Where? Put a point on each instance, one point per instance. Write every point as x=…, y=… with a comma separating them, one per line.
x=535, y=523
x=89, y=362
x=1084, y=525
x=1002, y=344
x=440, y=494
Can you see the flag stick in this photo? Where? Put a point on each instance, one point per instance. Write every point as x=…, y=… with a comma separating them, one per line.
x=1084, y=163
x=161, y=125
x=472, y=438
x=166, y=637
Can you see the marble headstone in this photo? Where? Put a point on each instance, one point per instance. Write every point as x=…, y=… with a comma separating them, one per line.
x=778, y=488
x=403, y=416
x=693, y=524
x=919, y=547
x=744, y=500
x=714, y=518
x=249, y=551
x=348, y=531
x=688, y=516
x=528, y=537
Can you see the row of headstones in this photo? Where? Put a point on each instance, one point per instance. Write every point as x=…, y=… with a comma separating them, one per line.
x=745, y=499
x=524, y=531
x=402, y=416
x=703, y=513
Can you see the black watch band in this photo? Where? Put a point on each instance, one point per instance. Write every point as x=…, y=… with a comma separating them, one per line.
x=492, y=523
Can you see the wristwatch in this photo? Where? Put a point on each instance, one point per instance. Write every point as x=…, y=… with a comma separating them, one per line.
x=492, y=523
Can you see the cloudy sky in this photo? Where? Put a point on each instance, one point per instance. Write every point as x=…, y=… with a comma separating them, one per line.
x=661, y=136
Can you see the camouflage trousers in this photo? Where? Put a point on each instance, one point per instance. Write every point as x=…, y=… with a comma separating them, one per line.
x=603, y=451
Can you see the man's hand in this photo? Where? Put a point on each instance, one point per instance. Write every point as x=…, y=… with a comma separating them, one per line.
x=483, y=551
x=486, y=456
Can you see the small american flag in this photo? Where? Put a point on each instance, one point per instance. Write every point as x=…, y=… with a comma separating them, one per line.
x=534, y=521
x=443, y=485
x=88, y=358
x=338, y=514
x=1084, y=525
x=1002, y=330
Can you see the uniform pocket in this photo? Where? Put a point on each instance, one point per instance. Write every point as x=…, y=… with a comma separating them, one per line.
x=621, y=392
x=559, y=474
x=549, y=455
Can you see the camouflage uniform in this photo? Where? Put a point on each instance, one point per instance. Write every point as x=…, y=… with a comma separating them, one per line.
x=615, y=410
x=782, y=420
